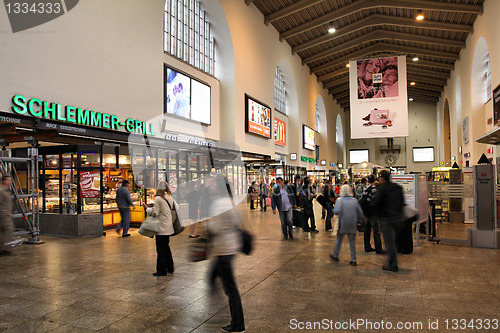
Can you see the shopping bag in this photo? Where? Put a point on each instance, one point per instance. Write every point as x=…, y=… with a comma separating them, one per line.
x=199, y=249
x=149, y=227
x=268, y=201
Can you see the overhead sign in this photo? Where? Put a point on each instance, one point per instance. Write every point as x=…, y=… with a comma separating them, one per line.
x=307, y=159
x=279, y=132
x=378, y=96
x=75, y=115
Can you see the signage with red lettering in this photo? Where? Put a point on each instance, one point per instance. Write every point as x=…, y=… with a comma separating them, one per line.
x=279, y=132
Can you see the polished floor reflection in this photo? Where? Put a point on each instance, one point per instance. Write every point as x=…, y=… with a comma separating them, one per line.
x=105, y=284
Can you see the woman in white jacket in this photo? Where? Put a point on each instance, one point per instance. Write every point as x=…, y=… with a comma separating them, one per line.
x=161, y=209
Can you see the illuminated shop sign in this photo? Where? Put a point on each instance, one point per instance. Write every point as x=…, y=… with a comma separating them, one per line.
x=307, y=159
x=54, y=111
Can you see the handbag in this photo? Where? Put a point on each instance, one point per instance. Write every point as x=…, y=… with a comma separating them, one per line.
x=149, y=227
x=247, y=242
x=199, y=249
x=410, y=213
x=176, y=223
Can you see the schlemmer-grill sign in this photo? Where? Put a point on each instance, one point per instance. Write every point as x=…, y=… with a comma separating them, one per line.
x=54, y=111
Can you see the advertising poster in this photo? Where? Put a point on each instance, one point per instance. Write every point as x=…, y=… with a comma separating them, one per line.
x=408, y=184
x=258, y=118
x=178, y=94
x=496, y=105
x=172, y=182
x=308, y=137
x=378, y=96
x=465, y=130
x=279, y=132
x=90, y=184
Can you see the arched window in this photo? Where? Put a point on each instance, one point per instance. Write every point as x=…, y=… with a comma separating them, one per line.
x=188, y=35
x=487, y=76
x=279, y=92
x=317, y=119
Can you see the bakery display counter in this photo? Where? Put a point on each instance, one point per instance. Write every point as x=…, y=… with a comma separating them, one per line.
x=112, y=216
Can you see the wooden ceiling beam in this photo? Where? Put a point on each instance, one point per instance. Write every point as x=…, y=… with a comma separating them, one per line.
x=425, y=86
x=421, y=72
x=379, y=47
x=381, y=34
x=371, y=20
x=430, y=64
x=425, y=79
x=338, y=90
x=335, y=83
x=423, y=92
x=289, y=10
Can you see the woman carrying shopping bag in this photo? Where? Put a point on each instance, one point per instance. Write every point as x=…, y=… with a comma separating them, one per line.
x=350, y=214
x=161, y=209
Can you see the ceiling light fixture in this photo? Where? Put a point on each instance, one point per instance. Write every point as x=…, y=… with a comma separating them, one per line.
x=347, y=65
x=420, y=16
x=412, y=83
x=410, y=99
x=332, y=29
x=415, y=59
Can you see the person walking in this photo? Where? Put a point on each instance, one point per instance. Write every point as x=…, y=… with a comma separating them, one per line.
x=388, y=204
x=307, y=194
x=124, y=201
x=330, y=197
x=223, y=228
x=5, y=215
x=263, y=193
x=193, y=198
x=161, y=209
x=283, y=200
x=372, y=224
x=252, y=193
x=350, y=214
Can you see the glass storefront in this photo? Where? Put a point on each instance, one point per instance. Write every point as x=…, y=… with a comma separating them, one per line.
x=83, y=179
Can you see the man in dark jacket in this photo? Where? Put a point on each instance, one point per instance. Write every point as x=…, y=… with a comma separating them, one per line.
x=124, y=201
x=371, y=221
x=306, y=196
x=284, y=199
x=388, y=204
x=330, y=197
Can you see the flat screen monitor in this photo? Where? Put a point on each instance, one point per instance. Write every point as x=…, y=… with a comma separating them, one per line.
x=358, y=156
x=423, y=154
x=186, y=97
x=308, y=138
x=257, y=117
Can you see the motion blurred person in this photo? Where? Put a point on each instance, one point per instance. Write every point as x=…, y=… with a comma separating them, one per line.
x=283, y=199
x=388, y=204
x=350, y=214
x=5, y=215
x=223, y=229
x=193, y=198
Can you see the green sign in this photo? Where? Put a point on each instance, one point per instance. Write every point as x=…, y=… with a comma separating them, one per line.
x=307, y=159
x=47, y=110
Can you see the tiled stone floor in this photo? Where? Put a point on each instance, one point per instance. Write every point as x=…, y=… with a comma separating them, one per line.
x=105, y=284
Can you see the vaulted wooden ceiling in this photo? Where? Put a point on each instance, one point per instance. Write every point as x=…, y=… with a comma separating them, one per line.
x=375, y=28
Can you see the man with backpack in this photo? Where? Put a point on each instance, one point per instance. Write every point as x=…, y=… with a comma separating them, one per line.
x=371, y=222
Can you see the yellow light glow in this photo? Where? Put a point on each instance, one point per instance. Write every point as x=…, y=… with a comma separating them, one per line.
x=348, y=65
x=420, y=17
x=412, y=83
x=415, y=59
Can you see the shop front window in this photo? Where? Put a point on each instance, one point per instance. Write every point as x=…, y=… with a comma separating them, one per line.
x=109, y=160
x=90, y=158
x=90, y=191
x=69, y=183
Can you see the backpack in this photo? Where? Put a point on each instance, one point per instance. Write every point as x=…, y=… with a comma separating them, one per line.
x=364, y=202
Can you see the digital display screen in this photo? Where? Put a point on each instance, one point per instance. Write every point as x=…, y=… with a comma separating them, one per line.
x=358, y=156
x=308, y=138
x=257, y=118
x=424, y=154
x=186, y=97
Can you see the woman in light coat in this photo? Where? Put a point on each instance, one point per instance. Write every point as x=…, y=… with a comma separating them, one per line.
x=161, y=209
x=350, y=214
x=224, y=230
